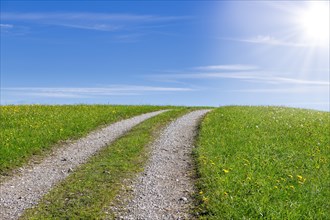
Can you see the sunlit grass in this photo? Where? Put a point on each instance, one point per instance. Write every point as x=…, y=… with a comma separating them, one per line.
x=31, y=129
x=264, y=162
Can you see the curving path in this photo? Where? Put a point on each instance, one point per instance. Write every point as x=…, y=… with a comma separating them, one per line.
x=164, y=189
x=24, y=190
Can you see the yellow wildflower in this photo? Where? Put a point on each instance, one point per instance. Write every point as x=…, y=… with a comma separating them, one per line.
x=226, y=171
x=205, y=199
x=301, y=180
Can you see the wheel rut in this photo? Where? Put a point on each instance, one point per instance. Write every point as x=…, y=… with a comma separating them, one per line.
x=25, y=189
x=164, y=190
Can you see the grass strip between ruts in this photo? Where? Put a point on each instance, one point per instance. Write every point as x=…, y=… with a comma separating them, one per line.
x=264, y=162
x=89, y=191
x=30, y=130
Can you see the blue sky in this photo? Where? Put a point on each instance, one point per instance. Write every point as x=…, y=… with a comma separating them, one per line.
x=211, y=53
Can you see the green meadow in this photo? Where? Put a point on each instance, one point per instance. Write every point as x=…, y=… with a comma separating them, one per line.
x=251, y=162
x=28, y=130
x=264, y=162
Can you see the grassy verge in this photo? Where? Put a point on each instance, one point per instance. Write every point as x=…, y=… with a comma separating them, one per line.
x=264, y=162
x=89, y=191
x=31, y=129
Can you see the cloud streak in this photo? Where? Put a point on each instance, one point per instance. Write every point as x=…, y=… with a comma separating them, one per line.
x=85, y=92
x=268, y=40
x=248, y=73
x=91, y=21
x=88, y=16
x=235, y=67
x=6, y=26
x=308, y=89
x=258, y=76
x=96, y=27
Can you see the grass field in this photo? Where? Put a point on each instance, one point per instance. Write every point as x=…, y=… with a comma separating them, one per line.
x=31, y=129
x=252, y=162
x=264, y=162
x=88, y=192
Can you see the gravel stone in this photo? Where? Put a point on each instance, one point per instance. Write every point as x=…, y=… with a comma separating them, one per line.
x=25, y=188
x=164, y=189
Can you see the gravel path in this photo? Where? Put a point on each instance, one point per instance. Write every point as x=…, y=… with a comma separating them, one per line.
x=25, y=189
x=164, y=189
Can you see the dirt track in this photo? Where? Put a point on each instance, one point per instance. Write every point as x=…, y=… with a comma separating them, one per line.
x=26, y=188
x=164, y=190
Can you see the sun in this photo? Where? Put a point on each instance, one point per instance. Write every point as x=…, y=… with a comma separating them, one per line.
x=314, y=22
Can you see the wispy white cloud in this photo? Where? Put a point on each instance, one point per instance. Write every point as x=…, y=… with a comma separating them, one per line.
x=298, y=81
x=261, y=77
x=235, y=67
x=6, y=26
x=300, y=89
x=91, y=21
x=89, y=16
x=97, y=27
x=50, y=94
x=84, y=92
x=258, y=76
x=269, y=40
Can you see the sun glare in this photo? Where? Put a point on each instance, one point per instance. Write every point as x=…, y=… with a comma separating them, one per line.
x=314, y=21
